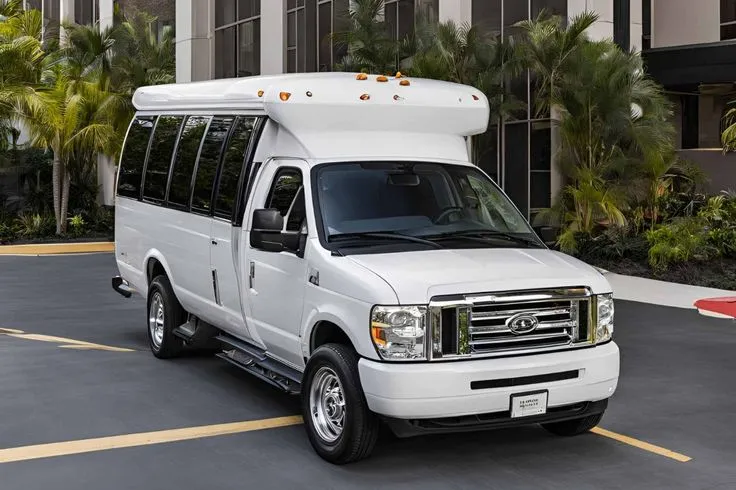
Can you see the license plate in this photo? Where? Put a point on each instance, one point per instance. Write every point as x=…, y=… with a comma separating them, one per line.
x=529, y=404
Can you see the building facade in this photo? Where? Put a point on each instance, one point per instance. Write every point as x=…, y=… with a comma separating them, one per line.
x=235, y=38
x=690, y=48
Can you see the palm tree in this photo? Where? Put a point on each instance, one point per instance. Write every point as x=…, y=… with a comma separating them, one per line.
x=612, y=119
x=141, y=57
x=547, y=50
x=370, y=47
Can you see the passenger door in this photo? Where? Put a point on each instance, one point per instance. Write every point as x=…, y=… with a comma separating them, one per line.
x=277, y=281
x=224, y=236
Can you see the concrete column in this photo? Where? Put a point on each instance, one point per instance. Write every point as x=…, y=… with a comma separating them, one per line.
x=459, y=11
x=66, y=15
x=603, y=28
x=106, y=14
x=195, y=28
x=273, y=37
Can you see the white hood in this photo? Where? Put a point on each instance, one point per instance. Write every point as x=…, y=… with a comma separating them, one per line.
x=418, y=276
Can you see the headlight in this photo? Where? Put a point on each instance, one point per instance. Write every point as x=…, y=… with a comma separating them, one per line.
x=604, y=329
x=399, y=332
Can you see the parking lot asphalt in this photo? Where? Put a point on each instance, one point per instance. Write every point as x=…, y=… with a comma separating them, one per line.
x=676, y=390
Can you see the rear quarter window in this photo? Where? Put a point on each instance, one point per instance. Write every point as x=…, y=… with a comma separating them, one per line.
x=134, y=156
x=159, y=158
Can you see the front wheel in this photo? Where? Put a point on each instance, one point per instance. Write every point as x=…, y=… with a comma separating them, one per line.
x=573, y=427
x=339, y=424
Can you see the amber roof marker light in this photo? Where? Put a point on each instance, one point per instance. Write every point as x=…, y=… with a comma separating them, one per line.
x=284, y=96
x=361, y=76
x=365, y=97
x=404, y=83
x=382, y=78
x=260, y=93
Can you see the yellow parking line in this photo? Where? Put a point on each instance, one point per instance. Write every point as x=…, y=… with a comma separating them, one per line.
x=57, y=248
x=642, y=445
x=67, y=448
x=66, y=343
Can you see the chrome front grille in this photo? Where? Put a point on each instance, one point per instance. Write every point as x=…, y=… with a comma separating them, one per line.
x=507, y=323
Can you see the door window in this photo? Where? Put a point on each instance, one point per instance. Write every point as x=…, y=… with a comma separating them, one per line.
x=287, y=195
x=159, y=158
x=186, y=157
x=232, y=166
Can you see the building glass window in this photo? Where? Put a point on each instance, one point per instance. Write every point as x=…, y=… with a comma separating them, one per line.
x=728, y=19
x=399, y=18
x=516, y=165
x=514, y=11
x=551, y=7
x=486, y=14
x=86, y=12
x=296, y=36
x=324, y=32
x=237, y=38
x=540, y=164
x=646, y=19
x=427, y=11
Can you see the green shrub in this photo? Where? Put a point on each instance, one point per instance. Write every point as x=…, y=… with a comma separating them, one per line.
x=7, y=233
x=34, y=225
x=77, y=225
x=682, y=240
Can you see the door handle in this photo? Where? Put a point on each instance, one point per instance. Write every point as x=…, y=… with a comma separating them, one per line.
x=252, y=275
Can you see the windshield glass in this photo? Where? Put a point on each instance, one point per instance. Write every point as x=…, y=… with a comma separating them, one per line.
x=451, y=205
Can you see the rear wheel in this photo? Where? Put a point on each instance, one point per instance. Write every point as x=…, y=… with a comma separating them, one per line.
x=164, y=315
x=574, y=427
x=339, y=424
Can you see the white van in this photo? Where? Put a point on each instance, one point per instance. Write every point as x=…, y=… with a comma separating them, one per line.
x=328, y=234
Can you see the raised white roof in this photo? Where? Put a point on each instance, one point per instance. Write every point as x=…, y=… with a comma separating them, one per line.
x=326, y=111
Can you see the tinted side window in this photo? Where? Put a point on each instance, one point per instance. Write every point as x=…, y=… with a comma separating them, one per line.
x=232, y=164
x=287, y=196
x=186, y=156
x=209, y=157
x=159, y=158
x=134, y=156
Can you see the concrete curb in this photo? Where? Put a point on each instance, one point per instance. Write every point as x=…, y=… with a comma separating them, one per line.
x=36, y=249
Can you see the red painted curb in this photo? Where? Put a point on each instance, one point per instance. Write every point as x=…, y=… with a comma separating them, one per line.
x=723, y=306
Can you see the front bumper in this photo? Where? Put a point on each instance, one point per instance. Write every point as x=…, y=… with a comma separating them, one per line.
x=443, y=389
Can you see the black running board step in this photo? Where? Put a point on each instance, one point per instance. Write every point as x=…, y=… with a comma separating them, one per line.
x=258, y=370
x=196, y=331
x=256, y=353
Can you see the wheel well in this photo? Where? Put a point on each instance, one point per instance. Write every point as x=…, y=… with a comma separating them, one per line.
x=154, y=269
x=329, y=333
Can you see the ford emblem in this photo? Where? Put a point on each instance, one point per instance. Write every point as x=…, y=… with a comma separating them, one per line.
x=522, y=323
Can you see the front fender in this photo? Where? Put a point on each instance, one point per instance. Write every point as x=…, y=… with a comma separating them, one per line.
x=351, y=320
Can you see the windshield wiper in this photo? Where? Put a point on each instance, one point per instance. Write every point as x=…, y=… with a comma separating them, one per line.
x=385, y=235
x=484, y=235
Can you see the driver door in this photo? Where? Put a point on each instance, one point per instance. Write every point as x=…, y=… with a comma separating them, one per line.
x=277, y=280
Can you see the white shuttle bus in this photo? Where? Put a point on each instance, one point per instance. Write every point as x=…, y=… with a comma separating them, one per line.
x=328, y=234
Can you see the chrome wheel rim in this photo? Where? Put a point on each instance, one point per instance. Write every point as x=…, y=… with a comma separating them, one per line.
x=327, y=404
x=156, y=320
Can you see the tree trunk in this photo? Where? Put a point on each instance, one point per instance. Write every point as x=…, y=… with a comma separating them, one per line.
x=64, y=198
x=56, y=179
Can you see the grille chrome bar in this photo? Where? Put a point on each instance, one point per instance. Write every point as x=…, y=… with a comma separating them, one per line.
x=478, y=325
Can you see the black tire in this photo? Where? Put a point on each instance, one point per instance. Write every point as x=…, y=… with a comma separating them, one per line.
x=170, y=345
x=360, y=426
x=573, y=427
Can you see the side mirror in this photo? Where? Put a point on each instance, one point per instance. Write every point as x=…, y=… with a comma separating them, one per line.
x=265, y=234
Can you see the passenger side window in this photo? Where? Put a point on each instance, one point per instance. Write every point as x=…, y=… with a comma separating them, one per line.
x=159, y=158
x=232, y=165
x=209, y=157
x=134, y=156
x=186, y=157
x=287, y=195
